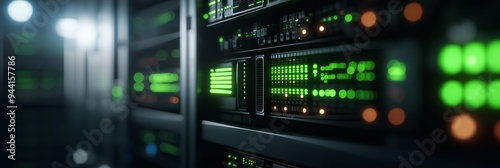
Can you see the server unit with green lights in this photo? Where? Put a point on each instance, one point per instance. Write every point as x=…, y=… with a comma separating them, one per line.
x=155, y=134
x=349, y=77
x=154, y=60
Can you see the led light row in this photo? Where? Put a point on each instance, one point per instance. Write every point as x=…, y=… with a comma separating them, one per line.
x=289, y=69
x=221, y=80
x=473, y=58
x=474, y=93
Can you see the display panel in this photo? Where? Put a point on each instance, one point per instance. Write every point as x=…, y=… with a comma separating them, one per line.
x=321, y=84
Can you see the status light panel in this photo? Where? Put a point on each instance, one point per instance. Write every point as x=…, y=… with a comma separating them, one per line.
x=221, y=81
x=463, y=66
x=320, y=83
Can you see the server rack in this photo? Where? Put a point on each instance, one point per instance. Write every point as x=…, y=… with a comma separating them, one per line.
x=157, y=77
x=342, y=83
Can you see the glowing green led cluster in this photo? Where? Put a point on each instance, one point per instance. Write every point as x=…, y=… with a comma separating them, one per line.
x=494, y=94
x=473, y=58
x=163, y=78
x=289, y=77
x=138, y=81
x=365, y=76
x=169, y=148
x=474, y=93
x=361, y=69
x=221, y=81
x=248, y=161
x=289, y=91
x=331, y=18
x=162, y=82
x=289, y=73
x=345, y=94
x=117, y=92
x=396, y=70
x=164, y=88
x=164, y=18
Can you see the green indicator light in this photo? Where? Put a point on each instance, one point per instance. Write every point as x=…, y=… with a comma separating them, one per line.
x=348, y=18
x=352, y=64
x=239, y=34
x=220, y=91
x=369, y=65
x=361, y=67
x=315, y=65
x=324, y=19
x=149, y=137
x=494, y=94
x=221, y=39
x=451, y=93
x=370, y=76
x=169, y=148
x=138, y=87
x=164, y=88
x=396, y=71
x=493, y=54
x=335, y=17
x=321, y=93
x=211, y=3
x=329, y=18
x=315, y=92
x=117, y=92
x=327, y=93
x=205, y=16
x=138, y=77
x=360, y=95
x=224, y=70
x=332, y=92
x=360, y=77
x=342, y=93
x=350, y=70
x=163, y=78
x=351, y=94
x=164, y=18
x=161, y=55
x=474, y=58
x=475, y=94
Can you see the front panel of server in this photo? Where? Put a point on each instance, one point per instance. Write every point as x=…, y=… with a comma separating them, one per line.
x=382, y=73
x=156, y=131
